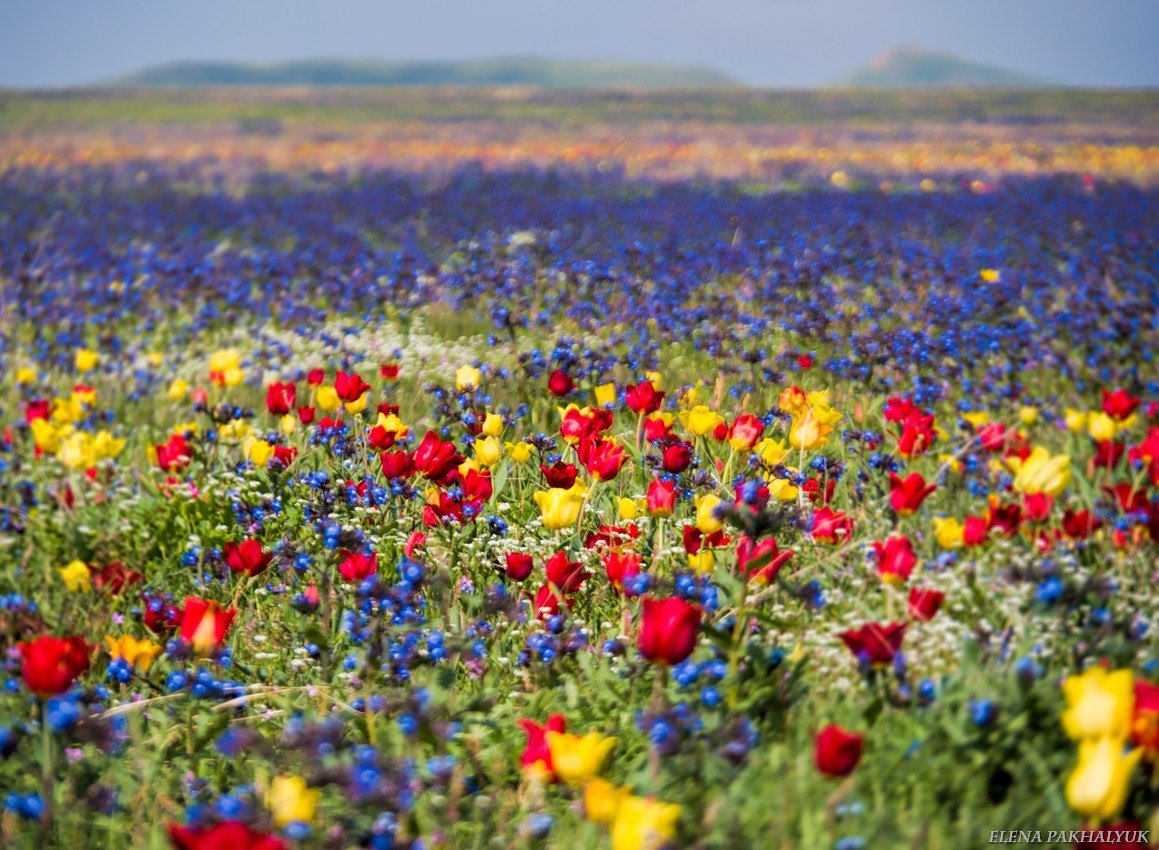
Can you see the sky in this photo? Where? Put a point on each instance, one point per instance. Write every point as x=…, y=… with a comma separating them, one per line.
x=760, y=42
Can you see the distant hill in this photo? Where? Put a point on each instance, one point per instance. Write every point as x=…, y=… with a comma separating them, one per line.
x=912, y=67
x=531, y=71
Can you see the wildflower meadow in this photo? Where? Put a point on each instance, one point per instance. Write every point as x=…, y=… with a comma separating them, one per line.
x=579, y=470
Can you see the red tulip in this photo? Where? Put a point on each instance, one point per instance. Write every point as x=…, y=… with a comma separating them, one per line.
x=643, y=398
x=306, y=415
x=227, y=835
x=564, y=574
x=1037, y=506
x=1079, y=525
x=560, y=383
x=356, y=567
x=836, y=751
x=1145, y=724
x=906, y=495
x=547, y=602
x=1119, y=405
x=830, y=526
x=115, y=577
x=924, y=603
x=621, y=566
x=380, y=439
x=247, y=557
x=661, y=498
x=389, y=371
x=537, y=755
x=749, y=552
x=975, y=530
x=677, y=457
x=52, y=664
x=559, y=475
x=397, y=465
x=417, y=540
x=350, y=387
x=204, y=624
x=37, y=409
x=898, y=409
x=603, y=458
x=745, y=431
x=315, y=377
x=1108, y=453
x=518, y=566
x=668, y=629
x=656, y=429
x=895, y=559
x=175, y=454
x=916, y=435
x=280, y=397
x=435, y=458
x=877, y=643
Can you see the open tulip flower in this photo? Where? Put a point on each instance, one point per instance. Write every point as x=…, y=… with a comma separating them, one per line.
x=422, y=468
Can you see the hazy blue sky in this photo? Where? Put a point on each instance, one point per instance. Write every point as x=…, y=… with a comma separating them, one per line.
x=764, y=42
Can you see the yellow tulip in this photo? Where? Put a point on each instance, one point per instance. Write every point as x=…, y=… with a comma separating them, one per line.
x=106, y=446
x=578, y=758
x=358, y=405
x=76, y=451
x=951, y=463
x=468, y=376
x=468, y=466
x=1075, y=420
x=808, y=433
x=643, y=824
x=492, y=424
x=1099, y=703
x=225, y=360
x=702, y=562
x=25, y=375
x=66, y=410
x=772, y=452
x=327, y=398
x=783, y=491
x=990, y=275
x=1040, y=472
x=1098, y=787
x=519, y=452
x=77, y=576
x=86, y=360
x=235, y=429
x=289, y=424
x=258, y=452
x=629, y=509
x=1028, y=415
x=655, y=379
x=605, y=395
x=46, y=437
x=977, y=418
x=706, y=519
x=291, y=800
x=700, y=420
x=136, y=653
x=1101, y=427
x=560, y=508
x=487, y=451
x=602, y=800
x=949, y=533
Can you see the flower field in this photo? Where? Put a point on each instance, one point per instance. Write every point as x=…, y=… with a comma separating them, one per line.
x=578, y=471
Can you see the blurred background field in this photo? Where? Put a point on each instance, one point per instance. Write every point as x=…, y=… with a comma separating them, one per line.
x=775, y=138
